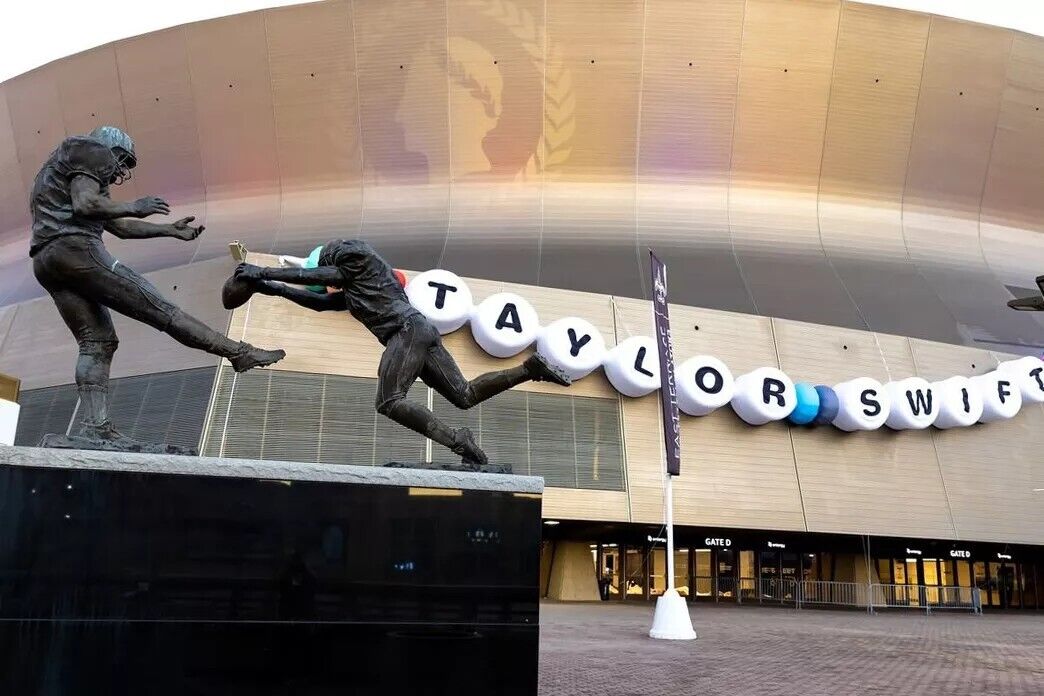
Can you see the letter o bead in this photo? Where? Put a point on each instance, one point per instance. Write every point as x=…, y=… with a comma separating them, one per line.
x=704, y=384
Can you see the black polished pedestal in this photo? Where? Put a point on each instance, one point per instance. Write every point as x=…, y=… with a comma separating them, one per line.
x=257, y=578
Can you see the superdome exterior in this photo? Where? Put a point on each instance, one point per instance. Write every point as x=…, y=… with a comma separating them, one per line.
x=837, y=163
x=870, y=171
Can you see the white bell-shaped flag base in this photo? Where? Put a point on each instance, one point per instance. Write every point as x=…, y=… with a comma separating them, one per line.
x=672, y=620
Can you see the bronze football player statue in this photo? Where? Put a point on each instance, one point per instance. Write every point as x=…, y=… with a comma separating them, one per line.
x=71, y=208
x=366, y=286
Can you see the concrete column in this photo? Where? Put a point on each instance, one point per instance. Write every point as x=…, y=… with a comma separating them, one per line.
x=573, y=577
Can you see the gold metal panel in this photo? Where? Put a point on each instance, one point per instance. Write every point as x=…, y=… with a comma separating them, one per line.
x=785, y=72
x=1010, y=219
x=579, y=504
x=873, y=100
x=593, y=78
x=826, y=354
x=590, y=132
x=404, y=119
x=752, y=485
x=9, y=387
x=734, y=475
x=89, y=91
x=42, y=352
x=228, y=67
x=39, y=348
x=990, y=473
x=878, y=482
x=965, y=75
x=688, y=103
x=161, y=117
x=36, y=119
x=495, y=65
x=311, y=52
x=861, y=483
x=784, y=86
x=937, y=361
x=495, y=60
x=689, y=81
x=90, y=96
x=897, y=355
x=7, y=315
x=14, y=208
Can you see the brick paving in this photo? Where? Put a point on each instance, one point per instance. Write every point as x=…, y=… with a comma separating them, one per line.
x=604, y=650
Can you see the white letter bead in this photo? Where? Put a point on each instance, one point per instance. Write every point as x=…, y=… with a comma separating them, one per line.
x=572, y=344
x=442, y=297
x=504, y=324
x=633, y=366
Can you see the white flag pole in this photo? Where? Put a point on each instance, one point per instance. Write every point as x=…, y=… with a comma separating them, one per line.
x=671, y=620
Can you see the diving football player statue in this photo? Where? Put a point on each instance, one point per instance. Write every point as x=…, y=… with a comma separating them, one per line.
x=366, y=286
x=71, y=208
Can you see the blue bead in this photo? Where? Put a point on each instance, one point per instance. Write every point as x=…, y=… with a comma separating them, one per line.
x=828, y=405
x=807, y=404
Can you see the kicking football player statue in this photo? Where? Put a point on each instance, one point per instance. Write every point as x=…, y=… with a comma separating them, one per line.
x=71, y=208
x=367, y=287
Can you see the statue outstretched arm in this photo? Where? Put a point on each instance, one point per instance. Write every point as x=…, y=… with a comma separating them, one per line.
x=324, y=275
x=129, y=228
x=316, y=301
x=89, y=201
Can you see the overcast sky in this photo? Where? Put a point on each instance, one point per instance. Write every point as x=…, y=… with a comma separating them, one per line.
x=34, y=32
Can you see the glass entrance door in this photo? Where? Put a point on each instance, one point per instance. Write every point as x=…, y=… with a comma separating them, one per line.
x=702, y=575
x=725, y=578
x=634, y=585
x=906, y=581
x=1004, y=583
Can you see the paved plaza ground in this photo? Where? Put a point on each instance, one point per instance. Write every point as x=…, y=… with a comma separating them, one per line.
x=604, y=650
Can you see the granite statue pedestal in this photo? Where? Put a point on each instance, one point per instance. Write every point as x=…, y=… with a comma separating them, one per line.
x=153, y=574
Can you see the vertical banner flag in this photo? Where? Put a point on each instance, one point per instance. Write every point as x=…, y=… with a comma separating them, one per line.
x=668, y=392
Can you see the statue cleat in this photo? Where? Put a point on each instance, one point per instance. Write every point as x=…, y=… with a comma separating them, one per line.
x=236, y=291
x=540, y=370
x=472, y=455
x=255, y=357
x=105, y=434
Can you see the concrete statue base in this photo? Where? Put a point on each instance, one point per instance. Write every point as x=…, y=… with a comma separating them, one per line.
x=172, y=575
x=76, y=442
x=445, y=466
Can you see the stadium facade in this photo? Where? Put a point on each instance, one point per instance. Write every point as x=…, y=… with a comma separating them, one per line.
x=840, y=190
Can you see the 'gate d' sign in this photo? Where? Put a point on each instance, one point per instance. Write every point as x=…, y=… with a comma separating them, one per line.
x=505, y=324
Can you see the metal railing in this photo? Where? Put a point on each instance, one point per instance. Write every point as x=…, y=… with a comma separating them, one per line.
x=826, y=593
x=776, y=591
x=830, y=593
x=926, y=597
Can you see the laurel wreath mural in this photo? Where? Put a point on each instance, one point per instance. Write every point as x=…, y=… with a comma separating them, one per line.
x=554, y=145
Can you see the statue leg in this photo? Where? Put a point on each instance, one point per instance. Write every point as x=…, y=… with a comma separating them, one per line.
x=403, y=360
x=442, y=374
x=91, y=325
x=102, y=278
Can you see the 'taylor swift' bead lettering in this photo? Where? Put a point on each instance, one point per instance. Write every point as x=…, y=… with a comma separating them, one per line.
x=505, y=324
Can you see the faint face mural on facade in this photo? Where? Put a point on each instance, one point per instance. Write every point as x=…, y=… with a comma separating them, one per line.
x=493, y=74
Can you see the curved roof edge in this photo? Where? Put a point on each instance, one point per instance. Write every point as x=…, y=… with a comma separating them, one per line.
x=21, y=50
